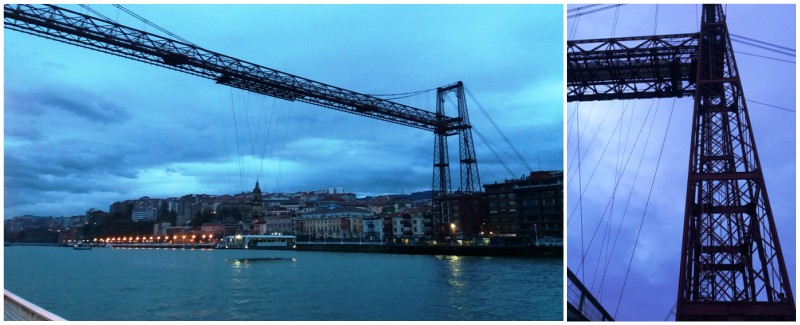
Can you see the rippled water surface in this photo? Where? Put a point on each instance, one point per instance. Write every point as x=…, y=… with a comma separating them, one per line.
x=166, y=284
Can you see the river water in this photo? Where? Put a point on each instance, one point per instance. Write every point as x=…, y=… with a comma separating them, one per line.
x=165, y=284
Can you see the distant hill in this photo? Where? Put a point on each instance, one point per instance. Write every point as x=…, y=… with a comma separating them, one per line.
x=420, y=195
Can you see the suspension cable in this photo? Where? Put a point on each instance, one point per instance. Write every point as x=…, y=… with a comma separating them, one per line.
x=764, y=56
x=598, y=131
x=605, y=148
x=582, y=7
x=646, y=204
x=402, y=94
x=95, y=12
x=494, y=153
x=144, y=20
x=750, y=100
x=593, y=11
x=497, y=128
x=763, y=47
x=624, y=212
x=671, y=311
x=762, y=42
x=617, y=181
x=236, y=138
x=269, y=128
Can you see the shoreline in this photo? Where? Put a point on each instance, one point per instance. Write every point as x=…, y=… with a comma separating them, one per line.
x=489, y=251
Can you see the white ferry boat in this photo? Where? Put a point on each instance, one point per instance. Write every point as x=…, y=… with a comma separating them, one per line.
x=258, y=241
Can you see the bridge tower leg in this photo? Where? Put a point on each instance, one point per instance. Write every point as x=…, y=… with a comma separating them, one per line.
x=441, y=208
x=455, y=214
x=732, y=267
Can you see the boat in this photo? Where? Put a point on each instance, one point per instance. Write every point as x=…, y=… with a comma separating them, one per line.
x=259, y=241
x=81, y=247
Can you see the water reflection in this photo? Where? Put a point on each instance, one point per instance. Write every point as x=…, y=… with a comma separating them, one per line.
x=455, y=265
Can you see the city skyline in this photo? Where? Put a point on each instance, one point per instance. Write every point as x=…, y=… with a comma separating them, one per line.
x=85, y=127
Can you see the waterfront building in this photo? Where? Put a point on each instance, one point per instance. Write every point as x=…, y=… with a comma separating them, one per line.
x=160, y=228
x=121, y=210
x=330, y=203
x=191, y=205
x=528, y=208
x=145, y=209
x=276, y=212
x=143, y=215
x=276, y=200
x=277, y=225
x=70, y=235
x=408, y=227
x=372, y=229
x=418, y=228
x=341, y=223
x=216, y=229
x=242, y=213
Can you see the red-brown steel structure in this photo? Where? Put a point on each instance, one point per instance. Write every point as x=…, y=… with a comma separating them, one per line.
x=731, y=265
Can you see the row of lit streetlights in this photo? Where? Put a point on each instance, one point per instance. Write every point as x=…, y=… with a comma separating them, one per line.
x=156, y=239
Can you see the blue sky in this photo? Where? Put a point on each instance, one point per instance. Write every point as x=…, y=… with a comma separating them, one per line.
x=651, y=287
x=83, y=129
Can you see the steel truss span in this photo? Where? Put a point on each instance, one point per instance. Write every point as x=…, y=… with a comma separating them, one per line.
x=106, y=36
x=658, y=66
x=74, y=28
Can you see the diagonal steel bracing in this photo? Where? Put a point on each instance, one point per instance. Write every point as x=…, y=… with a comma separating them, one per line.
x=631, y=68
x=731, y=265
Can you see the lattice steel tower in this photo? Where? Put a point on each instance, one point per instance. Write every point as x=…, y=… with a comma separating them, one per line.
x=458, y=209
x=732, y=267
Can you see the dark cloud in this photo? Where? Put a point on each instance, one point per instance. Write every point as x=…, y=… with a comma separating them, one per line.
x=76, y=100
x=23, y=131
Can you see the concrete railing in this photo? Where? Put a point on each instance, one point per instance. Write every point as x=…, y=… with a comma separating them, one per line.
x=18, y=309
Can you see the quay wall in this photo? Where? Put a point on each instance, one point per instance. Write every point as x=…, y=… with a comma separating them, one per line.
x=517, y=251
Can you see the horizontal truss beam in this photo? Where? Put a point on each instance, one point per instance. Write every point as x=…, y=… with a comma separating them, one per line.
x=661, y=66
x=74, y=28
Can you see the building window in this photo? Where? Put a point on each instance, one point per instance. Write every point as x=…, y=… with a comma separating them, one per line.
x=530, y=203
